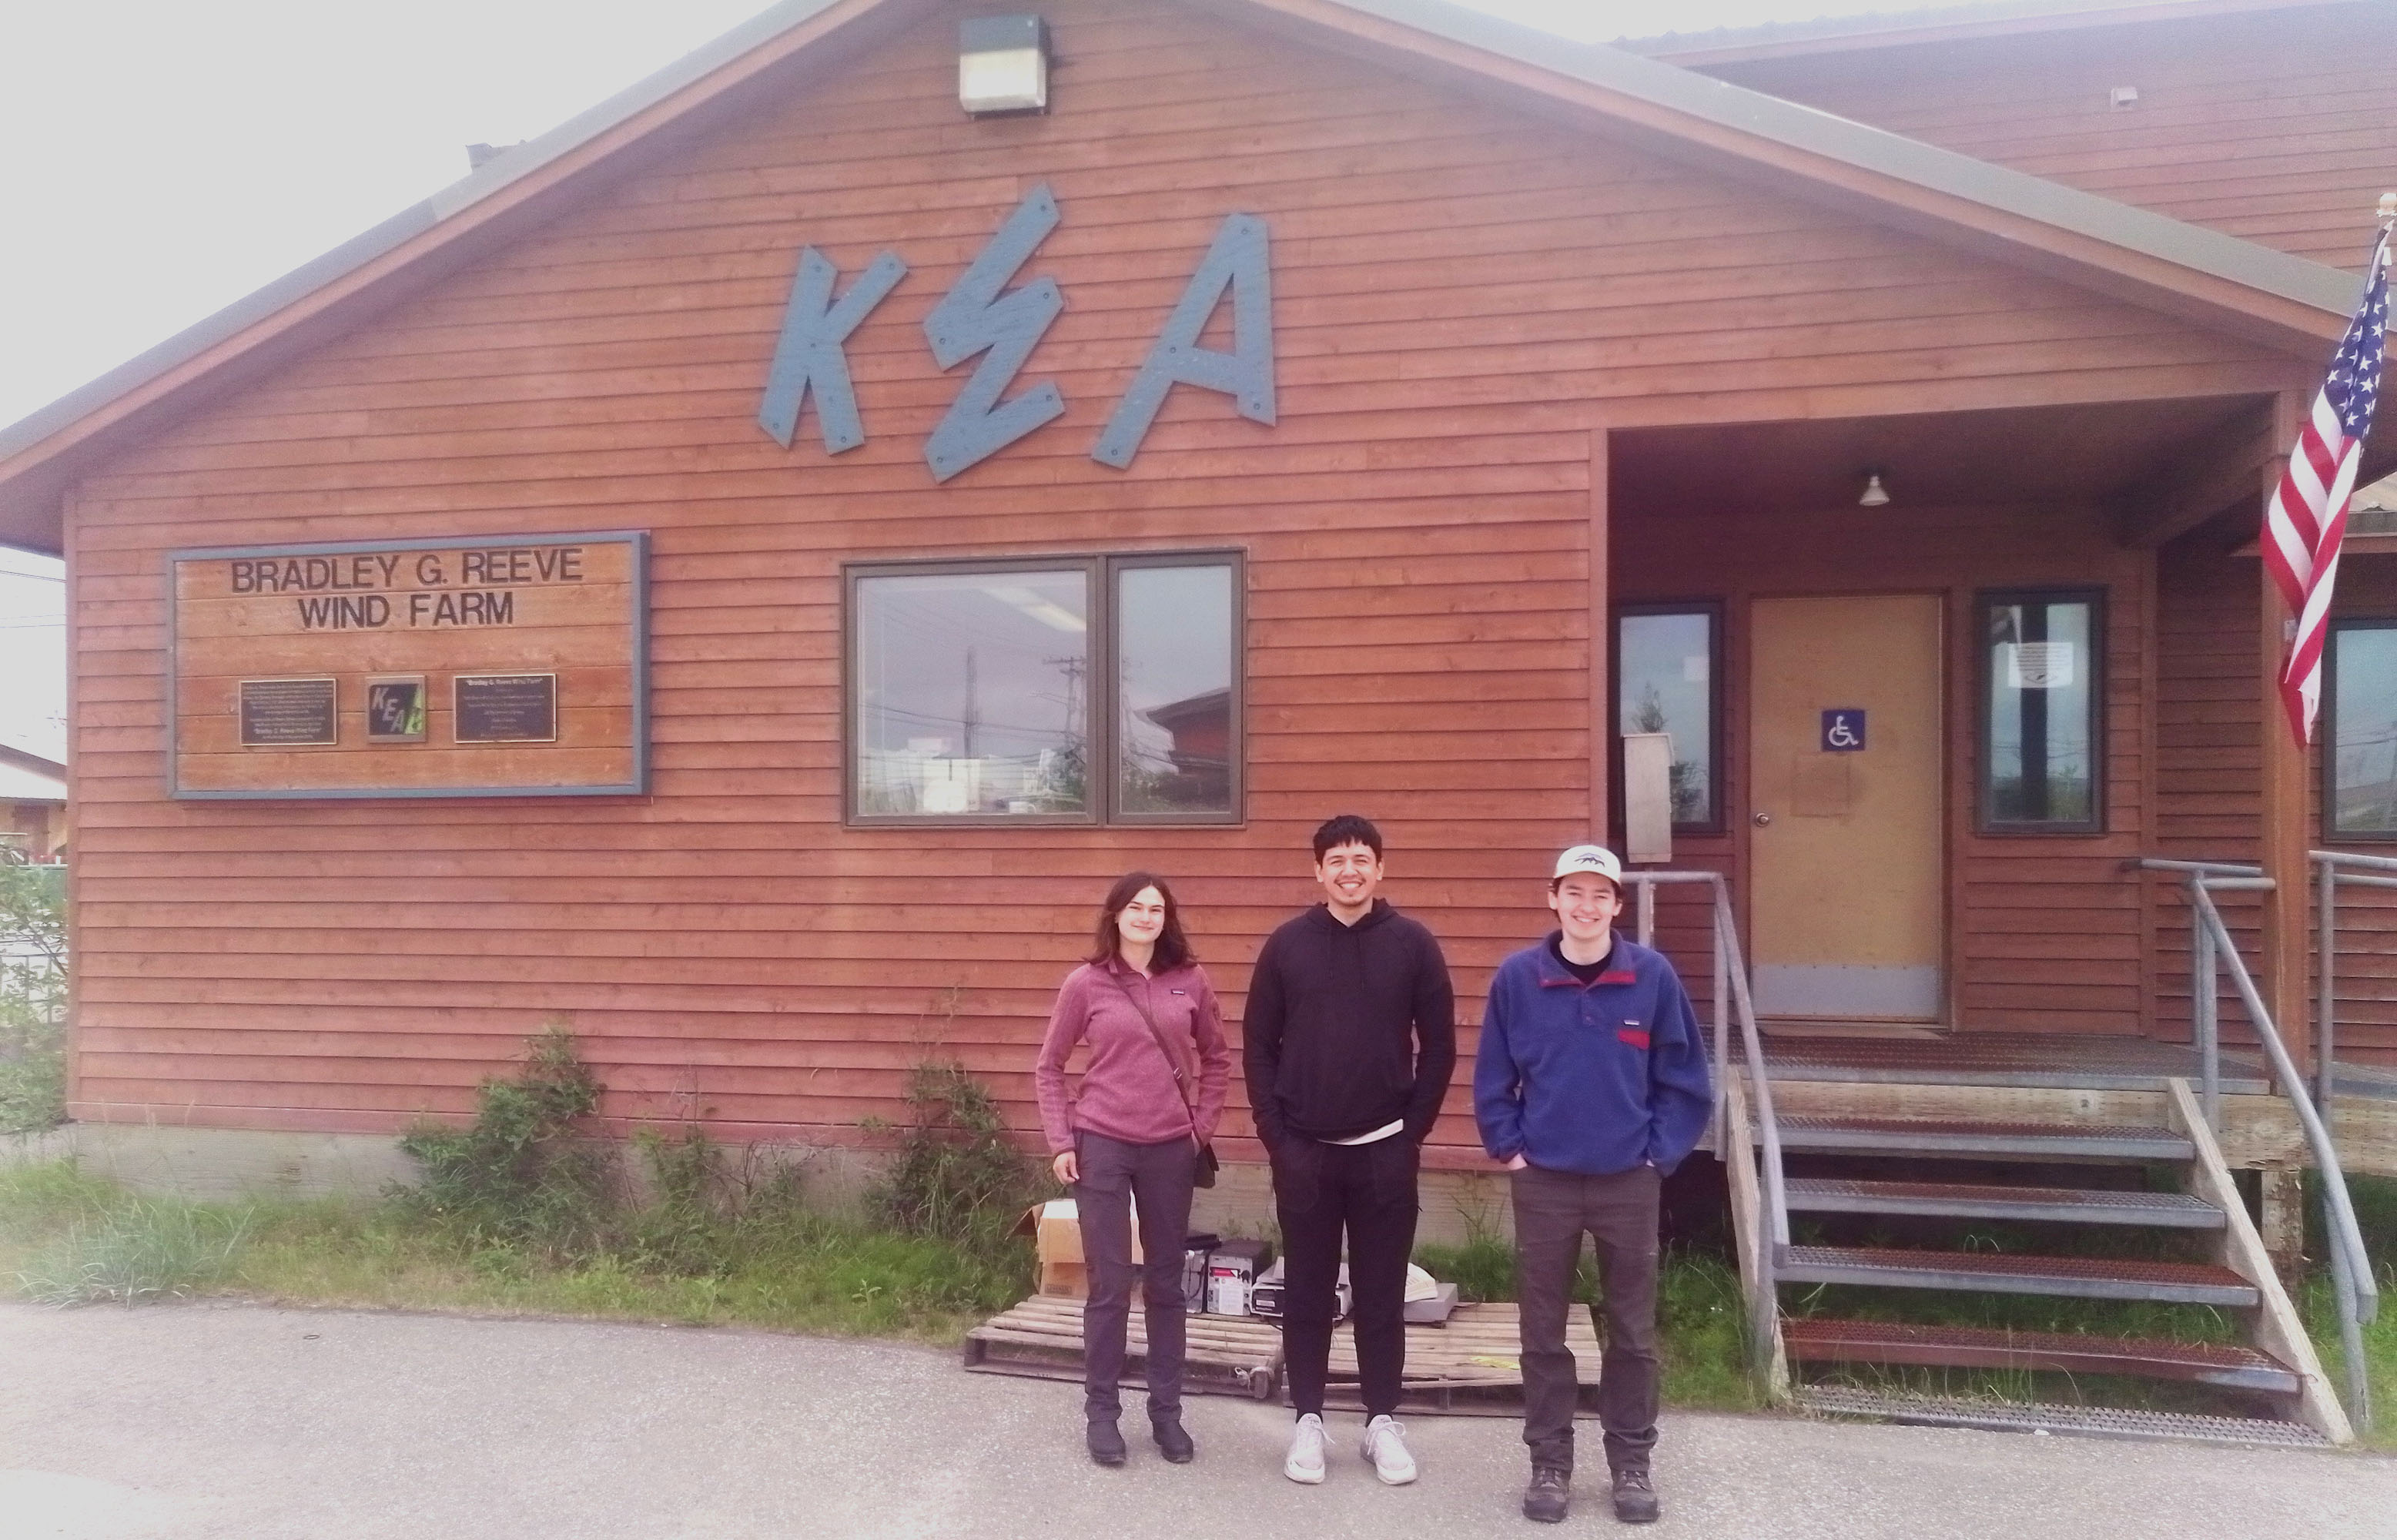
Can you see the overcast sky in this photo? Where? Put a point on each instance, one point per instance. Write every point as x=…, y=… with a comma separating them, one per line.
x=161, y=158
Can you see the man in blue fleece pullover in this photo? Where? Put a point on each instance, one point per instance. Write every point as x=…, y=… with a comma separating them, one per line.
x=1590, y=1086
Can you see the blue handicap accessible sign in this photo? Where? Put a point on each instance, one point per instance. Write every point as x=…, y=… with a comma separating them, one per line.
x=1844, y=730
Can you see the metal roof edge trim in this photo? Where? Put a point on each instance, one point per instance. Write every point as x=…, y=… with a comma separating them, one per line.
x=1925, y=22
x=502, y=171
x=2195, y=247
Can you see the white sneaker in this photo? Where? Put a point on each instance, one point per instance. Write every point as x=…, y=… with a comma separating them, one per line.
x=1306, y=1461
x=1385, y=1445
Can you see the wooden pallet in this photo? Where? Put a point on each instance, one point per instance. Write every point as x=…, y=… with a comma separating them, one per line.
x=1042, y=1338
x=1469, y=1367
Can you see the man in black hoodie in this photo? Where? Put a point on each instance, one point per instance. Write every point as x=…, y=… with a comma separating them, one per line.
x=1347, y=1045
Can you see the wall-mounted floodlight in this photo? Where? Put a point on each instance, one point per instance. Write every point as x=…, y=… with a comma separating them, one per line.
x=1002, y=65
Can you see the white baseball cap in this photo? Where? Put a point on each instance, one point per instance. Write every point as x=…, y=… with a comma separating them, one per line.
x=1597, y=860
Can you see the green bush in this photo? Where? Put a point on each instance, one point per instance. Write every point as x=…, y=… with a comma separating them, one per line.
x=521, y=1175
x=32, y=999
x=958, y=1177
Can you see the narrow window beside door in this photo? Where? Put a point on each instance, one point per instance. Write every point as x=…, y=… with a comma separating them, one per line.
x=1665, y=682
x=2043, y=722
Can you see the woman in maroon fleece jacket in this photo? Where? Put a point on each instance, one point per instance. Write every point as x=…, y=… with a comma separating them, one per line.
x=1150, y=1093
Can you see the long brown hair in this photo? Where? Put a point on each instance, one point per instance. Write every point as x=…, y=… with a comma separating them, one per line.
x=1172, y=947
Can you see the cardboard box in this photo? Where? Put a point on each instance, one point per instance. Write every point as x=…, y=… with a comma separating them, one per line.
x=1057, y=1231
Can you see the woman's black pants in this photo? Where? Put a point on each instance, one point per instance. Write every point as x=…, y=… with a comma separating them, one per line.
x=1113, y=1174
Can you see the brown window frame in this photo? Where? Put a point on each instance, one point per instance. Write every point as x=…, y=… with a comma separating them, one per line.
x=1718, y=801
x=1100, y=569
x=1985, y=707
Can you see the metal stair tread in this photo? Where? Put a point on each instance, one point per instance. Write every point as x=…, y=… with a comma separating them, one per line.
x=2082, y=1277
x=2227, y=1365
x=1938, y=1135
x=2032, y=1416
x=1979, y=1201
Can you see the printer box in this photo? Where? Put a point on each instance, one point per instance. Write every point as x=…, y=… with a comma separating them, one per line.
x=1266, y=1299
x=1232, y=1270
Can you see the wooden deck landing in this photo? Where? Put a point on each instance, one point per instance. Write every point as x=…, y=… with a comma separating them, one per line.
x=2001, y=1075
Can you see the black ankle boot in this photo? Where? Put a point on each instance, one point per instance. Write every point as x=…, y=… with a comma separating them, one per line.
x=1107, y=1441
x=1172, y=1439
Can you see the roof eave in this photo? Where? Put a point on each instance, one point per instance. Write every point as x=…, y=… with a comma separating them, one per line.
x=41, y=455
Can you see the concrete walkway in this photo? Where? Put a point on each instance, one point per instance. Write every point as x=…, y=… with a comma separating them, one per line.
x=260, y=1424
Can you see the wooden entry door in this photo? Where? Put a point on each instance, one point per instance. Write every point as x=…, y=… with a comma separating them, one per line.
x=1847, y=887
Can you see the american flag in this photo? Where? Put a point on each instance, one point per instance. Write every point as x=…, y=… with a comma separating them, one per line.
x=2307, y=516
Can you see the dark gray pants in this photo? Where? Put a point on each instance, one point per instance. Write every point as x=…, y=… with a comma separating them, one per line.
x=1113, y=1174
x=1552, y=1209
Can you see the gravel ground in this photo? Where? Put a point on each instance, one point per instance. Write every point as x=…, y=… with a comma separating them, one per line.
x=194, y=1421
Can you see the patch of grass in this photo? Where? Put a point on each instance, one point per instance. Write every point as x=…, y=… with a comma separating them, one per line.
x=66, y=1237
x=958, y=1177
x=520, y=1176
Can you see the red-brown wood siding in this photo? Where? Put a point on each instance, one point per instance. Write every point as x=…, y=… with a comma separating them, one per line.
x=2208, y=780
x=2278, y=127
x=1462, y=297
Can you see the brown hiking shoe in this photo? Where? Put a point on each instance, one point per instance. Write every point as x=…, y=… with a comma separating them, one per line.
x=1635, y=1497
x=1549, y=1495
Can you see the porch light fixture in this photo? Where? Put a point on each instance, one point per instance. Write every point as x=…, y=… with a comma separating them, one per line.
x=1875, y=494
x=1002, y=65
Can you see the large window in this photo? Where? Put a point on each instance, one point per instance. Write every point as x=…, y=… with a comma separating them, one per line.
x=1076, y=689
x=1665, y=682
x=2043, y=723
x=2359, y=731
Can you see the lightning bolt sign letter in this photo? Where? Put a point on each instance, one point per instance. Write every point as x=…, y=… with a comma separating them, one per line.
x=809, y=356
x=974, y=317
x=1237, y=261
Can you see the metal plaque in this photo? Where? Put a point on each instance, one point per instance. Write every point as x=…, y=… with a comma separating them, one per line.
x=506, y=708
x=289, y=713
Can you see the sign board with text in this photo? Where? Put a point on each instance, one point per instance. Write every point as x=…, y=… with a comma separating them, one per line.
x=507, y=665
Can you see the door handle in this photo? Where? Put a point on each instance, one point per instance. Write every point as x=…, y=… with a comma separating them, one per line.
x=1763, y=819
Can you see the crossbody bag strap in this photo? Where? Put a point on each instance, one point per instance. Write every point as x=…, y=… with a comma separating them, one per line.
x=1156, y=1035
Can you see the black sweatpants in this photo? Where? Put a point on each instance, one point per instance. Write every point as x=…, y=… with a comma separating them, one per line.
x=1366, y=1192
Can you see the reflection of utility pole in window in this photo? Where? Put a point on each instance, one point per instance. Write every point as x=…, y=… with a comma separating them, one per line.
x=973, y=710
x=1073, y=668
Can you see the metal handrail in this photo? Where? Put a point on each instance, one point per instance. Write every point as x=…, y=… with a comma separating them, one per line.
x=2213, y=948
x=1732, y=998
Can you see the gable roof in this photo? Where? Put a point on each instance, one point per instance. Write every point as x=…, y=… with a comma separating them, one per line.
x=2145, y=257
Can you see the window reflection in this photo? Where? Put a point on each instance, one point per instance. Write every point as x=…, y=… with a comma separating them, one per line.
x=2042, y=750
x=1665, y=678
x=2362, y=730
x=971, y=694
x=1174, y=689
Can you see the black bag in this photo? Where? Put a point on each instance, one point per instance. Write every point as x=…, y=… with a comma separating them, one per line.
x=1203, y=1174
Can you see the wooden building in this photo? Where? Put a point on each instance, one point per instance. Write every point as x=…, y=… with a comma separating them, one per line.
x=1322, y=406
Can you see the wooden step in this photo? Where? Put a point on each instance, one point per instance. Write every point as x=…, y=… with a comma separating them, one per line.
x=2229, y=1366
x=2101, y=1421
x=1998, y=1272
x=1959, y=1137
x=1965, y=1201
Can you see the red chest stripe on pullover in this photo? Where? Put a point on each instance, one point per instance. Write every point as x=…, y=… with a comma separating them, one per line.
x=1637, y=1039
